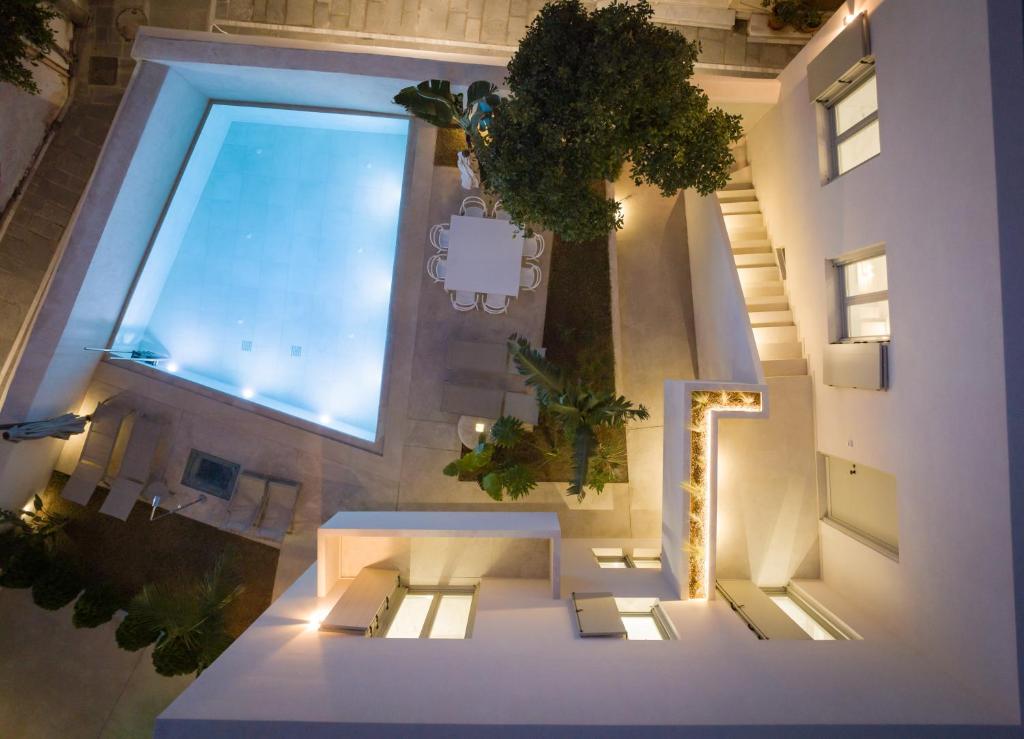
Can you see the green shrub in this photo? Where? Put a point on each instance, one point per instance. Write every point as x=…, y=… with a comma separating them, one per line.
x=95, y=606
x=57, y=586
x=174, y=657
x=25, y=565
x=593, y=92
x=134, y=633
x=25, y=30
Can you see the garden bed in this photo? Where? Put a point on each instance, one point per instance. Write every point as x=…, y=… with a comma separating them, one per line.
x=127, y=555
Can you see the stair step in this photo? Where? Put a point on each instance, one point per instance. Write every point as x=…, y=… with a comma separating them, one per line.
x=781, y=350
x=775, y=334
x=740, y=193
x=742, y=176
x=751, y=247
x=784, y=367
x=758, y=259
x=758, y=275
x=766, y=302
x=762, y=289
x=744, y=235
x=740, y=206
x=761, y=318
x=744, y=221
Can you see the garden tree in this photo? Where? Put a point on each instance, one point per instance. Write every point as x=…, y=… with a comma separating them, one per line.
x=24, y=34
x=497, y=462
x=186, y=620
x=591, y=91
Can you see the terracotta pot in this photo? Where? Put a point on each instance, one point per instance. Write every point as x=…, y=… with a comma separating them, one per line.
x=809, y=27
x=775, y=22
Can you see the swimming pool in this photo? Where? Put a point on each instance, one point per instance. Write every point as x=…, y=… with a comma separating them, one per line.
x=269, y=277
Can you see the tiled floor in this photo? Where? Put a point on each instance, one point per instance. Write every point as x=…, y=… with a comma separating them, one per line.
x=279, y=288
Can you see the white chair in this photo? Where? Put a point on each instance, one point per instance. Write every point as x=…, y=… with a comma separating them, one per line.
x=136, y=467
x=495, y=304
x=500, y=214
x=436, y=266
x=473, y=206
x=463, y=300
x=533, y=246
x=439, y=236
x=96, y=452
x=529, y=276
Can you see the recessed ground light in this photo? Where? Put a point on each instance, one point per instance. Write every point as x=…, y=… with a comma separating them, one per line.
x=248, y=392
x=172, y=366
x=325, y=419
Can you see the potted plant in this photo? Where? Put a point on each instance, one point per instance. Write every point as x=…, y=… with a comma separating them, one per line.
x=799, y=14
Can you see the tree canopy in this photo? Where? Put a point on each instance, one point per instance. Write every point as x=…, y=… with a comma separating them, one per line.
x=592, y=91
x=24, y=32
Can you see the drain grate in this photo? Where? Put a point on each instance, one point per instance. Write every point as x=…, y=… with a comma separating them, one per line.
x=246, y=346
x=296, y=350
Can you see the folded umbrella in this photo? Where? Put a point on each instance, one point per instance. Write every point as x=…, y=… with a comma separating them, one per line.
x=61, y=427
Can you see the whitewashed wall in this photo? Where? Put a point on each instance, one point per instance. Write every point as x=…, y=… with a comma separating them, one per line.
x=941, y=428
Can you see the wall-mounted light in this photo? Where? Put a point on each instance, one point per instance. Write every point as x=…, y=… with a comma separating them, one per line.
x=851, y=17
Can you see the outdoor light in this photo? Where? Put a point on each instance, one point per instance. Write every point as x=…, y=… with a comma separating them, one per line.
x=248, y=392
x=316, y=618
x=479, y=428
x=325, y=419
x=172, y=366
x=851, y=18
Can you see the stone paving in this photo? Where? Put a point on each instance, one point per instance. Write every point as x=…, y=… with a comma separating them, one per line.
x=496, y=23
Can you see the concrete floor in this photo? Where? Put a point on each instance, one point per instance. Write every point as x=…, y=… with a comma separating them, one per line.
x=59, y=681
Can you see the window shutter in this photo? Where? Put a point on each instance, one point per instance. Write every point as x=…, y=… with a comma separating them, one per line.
x=360, y=606
x=597, y=615
x=844, y=61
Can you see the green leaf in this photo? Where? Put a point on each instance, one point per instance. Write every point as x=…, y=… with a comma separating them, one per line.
x=518, y=480
x=492, y=485
x=540, y=374
x=507, y=432
x=432, y=101
x=479, y=89
x=582, y=449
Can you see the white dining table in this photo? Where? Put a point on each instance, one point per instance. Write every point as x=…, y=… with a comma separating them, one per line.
x=485, y=255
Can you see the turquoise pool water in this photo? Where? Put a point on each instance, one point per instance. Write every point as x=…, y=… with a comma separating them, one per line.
x=270, y=276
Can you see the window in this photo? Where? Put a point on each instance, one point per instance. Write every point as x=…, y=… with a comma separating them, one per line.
x=634, y=619
x=615, y=558
x=432, y=614
x=802, y=618
x=808, y=615
x=853, y=121
x=863, y=286
x=643, y=619
x=862, y=502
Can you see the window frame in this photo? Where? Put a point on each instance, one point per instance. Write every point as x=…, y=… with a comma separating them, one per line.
x=657, y=616
x=629, y=560
x=830, y=624
x=835, y=138
x=844, y=301
x=428, y=622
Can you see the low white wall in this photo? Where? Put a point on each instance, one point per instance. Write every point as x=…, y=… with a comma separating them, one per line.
x=100, y=255
x=725, y=340
x=941, y=428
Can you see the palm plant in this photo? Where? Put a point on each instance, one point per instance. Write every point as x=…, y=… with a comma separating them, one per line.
x=28, y=543
x=434, y=102
x=496, y=462
x=581, y=412
x=187, y=620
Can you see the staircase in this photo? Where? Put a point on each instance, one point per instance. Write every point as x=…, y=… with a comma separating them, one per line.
x=774, y=330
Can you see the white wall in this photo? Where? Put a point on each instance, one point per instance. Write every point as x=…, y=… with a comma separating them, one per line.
x=941, y=428
x=525, y=664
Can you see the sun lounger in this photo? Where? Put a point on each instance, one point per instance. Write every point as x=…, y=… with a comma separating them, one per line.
x=478, y=356
x=247, y=502
x=471, y=401
x=279, y=509
x=361, y=606
x=522, y=406
x=95, y=457
x=136, y=468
